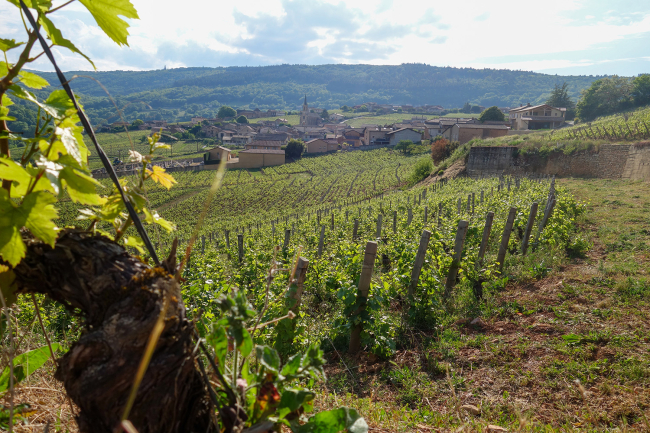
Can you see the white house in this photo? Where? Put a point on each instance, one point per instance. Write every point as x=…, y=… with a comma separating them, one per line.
x=403, y=134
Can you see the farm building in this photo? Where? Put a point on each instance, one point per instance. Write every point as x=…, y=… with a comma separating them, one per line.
x=404, y=134
x=214, y=156
x=318, y=145
x=256, y=158
x=464, y=132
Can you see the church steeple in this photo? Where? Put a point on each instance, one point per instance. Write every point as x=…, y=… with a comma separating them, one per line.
x=305, y=100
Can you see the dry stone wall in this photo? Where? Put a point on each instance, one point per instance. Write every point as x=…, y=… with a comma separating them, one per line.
x=611, y=161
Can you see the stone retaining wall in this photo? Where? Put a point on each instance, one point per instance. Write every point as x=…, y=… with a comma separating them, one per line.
x=611, y=161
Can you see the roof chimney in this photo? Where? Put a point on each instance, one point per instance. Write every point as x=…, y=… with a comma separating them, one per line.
x=528, y=104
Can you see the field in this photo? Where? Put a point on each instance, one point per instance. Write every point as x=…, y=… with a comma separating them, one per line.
x=389, y=119
x=558, y=341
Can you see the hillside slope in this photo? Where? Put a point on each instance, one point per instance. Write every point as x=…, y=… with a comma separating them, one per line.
x=177, y=94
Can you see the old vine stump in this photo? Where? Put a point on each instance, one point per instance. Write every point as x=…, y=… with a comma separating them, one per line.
x=120, y=298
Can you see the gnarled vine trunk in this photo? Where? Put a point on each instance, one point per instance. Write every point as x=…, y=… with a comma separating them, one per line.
x=120, y=298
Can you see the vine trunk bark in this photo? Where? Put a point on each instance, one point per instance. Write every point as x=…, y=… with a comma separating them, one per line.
x=120, y=298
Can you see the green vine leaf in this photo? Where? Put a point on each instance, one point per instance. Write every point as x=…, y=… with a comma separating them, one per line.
x=40, y=5
x=107, y=12
x=135, y=242
x=57, y=38
x=156, y=219
x=9, y=44
x=4, y=114
x=32, y=80
x=36, y=213
x=81, y=187
x=335, y=421
x=9, y=170
x=6, y=100
x=39, y=214
x=7, y=286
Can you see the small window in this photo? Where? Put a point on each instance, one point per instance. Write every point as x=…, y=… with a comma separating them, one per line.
x=534, y=113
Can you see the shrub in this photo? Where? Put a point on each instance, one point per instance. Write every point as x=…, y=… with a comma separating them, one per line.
x=439, y=150
x=421, y=170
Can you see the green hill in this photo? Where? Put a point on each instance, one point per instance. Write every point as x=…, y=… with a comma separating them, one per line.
x=178, y=94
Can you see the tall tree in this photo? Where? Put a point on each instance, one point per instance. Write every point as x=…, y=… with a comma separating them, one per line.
x=641, y=90
x=560, y=98
x=226, y=111
x=294, y=149
x=493, y=113
x=605, y=96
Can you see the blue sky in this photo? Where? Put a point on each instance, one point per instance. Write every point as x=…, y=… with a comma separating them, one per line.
x=565, y=37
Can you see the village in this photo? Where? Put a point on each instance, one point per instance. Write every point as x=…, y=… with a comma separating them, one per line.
x=255, y=145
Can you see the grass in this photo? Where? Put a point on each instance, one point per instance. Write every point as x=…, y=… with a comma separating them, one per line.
x=397, y=117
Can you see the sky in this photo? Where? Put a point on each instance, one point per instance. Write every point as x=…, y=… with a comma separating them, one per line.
x=565, y=37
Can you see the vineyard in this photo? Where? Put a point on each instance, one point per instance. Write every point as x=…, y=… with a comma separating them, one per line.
x=117, y=145
x=423, y=248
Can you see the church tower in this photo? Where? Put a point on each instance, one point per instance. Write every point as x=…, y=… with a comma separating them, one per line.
x=304, y=113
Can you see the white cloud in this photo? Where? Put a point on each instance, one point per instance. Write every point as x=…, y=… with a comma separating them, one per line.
x=207, y=33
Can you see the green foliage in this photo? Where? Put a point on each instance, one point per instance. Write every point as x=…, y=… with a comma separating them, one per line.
x=404, y=147
x=493, y=114
x=641, y=90
x=226, y=111
x=560, y=98
x=265, y=388
x=421, y=170
x=605, y=96
x=25, y=364
x=242, y=119
x=106, y=14
x=294, y=149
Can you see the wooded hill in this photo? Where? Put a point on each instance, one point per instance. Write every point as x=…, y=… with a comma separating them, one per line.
x=178, y=94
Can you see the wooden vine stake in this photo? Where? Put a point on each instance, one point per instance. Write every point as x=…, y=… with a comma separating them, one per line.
x=378, y=234
x=287, y=238
x=547, y=215
x=394, y=221
x=505, y=238
x=202, y=244
x=364, y=287
x=529, y=228
x=486, y=236
x=299, y=280
x=419, y=261
x=240, y=247
x=355, y=230
x=321, y=241
x=227, y=233
x=461, y=232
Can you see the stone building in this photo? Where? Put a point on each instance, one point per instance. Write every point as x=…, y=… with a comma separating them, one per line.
x=464, y=132
x=395, y=137
x=537, y=117
x=318, y=145
x=257, y=158
x=308, y=118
